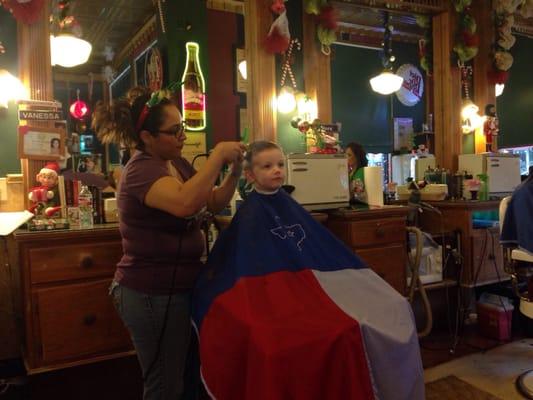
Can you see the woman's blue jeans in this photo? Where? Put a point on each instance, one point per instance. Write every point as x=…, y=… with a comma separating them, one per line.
x=144, y=316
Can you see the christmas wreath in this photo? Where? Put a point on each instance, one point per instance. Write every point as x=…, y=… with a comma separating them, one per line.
x=326, y=18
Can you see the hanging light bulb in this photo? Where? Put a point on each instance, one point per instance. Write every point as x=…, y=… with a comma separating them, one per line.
x=386, y=83
x=498, y=88
x=286, y=101
x=307, y=108
x=12, y=88
x=68, y=50
x=469, y=109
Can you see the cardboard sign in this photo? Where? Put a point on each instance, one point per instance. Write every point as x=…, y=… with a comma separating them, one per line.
x=40, y=115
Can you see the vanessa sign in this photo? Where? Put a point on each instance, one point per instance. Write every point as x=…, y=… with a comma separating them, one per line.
x=413, y=85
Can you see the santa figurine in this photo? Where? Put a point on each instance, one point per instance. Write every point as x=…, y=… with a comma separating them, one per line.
x=45, y=198
x=490, y=126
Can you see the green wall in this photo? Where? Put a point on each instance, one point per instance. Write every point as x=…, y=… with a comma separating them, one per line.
x=9, y=161
x=515, y=105
x=364, y=114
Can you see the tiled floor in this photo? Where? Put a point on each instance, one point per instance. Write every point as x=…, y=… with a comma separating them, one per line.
x=494, y=371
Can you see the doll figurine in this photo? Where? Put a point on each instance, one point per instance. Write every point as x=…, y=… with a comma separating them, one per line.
x=490, y=126
x=45, y=197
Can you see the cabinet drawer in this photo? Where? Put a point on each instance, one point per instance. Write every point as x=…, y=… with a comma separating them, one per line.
x=78, y=320
x=74, y=261
x=389, y=262
x=380, y=231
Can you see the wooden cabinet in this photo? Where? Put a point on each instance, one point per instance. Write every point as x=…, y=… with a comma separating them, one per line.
x=482, y=261
x=67, y=313
x=378, y=236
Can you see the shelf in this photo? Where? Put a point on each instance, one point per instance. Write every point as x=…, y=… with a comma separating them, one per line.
x=440, y=285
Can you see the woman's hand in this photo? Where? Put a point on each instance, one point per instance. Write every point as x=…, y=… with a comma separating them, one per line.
x=229, y=152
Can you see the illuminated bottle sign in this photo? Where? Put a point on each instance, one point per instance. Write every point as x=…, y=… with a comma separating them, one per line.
x=193, y=90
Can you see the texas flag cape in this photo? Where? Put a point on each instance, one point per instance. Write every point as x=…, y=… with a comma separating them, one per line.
x=285, y=311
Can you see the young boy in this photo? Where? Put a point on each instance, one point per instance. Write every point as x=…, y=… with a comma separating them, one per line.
x=285, y=310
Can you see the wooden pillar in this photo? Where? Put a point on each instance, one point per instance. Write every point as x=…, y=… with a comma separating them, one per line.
x=317, y=70
x=35, y=72
x=261, y=71
x=447, y=93
x=483, y=91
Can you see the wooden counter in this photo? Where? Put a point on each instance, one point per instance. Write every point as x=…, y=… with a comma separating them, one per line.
x=377, y=235
x=67, y=315
x=480, y=248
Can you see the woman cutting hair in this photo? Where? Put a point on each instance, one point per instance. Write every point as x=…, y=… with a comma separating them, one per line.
x=161, y=199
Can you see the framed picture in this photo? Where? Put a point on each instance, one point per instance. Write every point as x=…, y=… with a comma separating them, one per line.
x=240, y=71
x=403, y=134
x=41, y=143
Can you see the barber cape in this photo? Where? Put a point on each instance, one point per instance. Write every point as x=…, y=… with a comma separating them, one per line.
x=517, y=227
x=285, y=311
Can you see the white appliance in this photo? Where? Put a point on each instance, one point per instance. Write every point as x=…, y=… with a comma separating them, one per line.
x=411, y=166
x=503, y=170
x=320, y=180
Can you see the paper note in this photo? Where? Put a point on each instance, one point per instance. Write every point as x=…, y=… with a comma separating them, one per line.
x=9, y=221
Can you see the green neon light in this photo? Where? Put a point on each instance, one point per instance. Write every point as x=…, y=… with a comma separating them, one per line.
x=188, y=46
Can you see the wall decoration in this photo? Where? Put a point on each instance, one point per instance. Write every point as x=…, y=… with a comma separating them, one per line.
x=41, y=143
x=240, y=71
x=425, y=45
x=278, y=38
x=193, y=90
x=467, y=40
x=25, y=11
x=326, y=17
x=412, y=88
x=154, y=69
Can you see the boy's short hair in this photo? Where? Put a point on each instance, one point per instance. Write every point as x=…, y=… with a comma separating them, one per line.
x=257, y=147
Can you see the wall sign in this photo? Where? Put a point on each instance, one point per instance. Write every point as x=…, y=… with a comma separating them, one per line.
x=41, y=143
x=413, y=85
x=40, y=115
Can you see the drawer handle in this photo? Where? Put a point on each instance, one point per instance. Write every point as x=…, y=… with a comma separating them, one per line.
x=89, y=319
x=86, y=262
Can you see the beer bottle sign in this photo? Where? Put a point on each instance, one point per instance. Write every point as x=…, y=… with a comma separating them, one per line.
x=193, y=90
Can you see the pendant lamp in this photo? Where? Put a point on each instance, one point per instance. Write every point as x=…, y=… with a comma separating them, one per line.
x=387, y=82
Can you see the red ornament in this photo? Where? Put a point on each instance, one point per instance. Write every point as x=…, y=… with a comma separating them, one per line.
x=276, y=42
x=27, y=13
x=328, y=18
x=79, y=109
x=496, y=76
x=470, y=39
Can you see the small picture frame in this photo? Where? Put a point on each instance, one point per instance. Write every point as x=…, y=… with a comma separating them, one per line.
x=40, y=143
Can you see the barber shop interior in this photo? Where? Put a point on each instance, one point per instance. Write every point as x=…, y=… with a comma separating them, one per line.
x=346, y=184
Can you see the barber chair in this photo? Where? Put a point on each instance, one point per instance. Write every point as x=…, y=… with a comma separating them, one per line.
x=514, y=261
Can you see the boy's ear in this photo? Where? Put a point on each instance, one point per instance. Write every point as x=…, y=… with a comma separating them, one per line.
x=250, y=178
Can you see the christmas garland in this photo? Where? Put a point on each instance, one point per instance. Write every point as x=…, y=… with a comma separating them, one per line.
x=467, y=45
x=425, y=45
x=504, y=41
x=25, y=11
x=326, y=18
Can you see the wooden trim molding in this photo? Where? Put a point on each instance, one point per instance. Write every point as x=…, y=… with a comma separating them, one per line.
x=317, y=70
x=261, y=68
x=35, y=71
x=447, y=93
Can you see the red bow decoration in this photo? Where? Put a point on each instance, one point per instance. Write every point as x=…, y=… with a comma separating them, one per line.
x=496, y=76
x=26, y=12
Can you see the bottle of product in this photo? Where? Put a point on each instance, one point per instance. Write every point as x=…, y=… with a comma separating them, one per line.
x=193, y=90
x=85, y=203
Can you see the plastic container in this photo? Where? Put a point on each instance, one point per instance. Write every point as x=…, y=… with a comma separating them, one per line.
x=85, y=204
x=495, y=316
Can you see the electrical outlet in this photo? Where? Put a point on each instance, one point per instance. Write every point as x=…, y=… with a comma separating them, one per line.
x=3, y=189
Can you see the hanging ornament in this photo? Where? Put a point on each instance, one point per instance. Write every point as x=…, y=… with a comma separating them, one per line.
x=25, y=11
x=279, y=36
x=286, y=102
x=79, y=108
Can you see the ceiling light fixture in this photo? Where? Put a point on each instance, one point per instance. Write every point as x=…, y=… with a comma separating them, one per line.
x=12, y=89
x=68, y=50
x=387, y=82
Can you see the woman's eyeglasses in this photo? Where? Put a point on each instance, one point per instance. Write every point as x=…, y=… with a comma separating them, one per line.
x=177, y=131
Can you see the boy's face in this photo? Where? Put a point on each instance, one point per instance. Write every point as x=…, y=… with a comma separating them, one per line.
x=268, y=170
